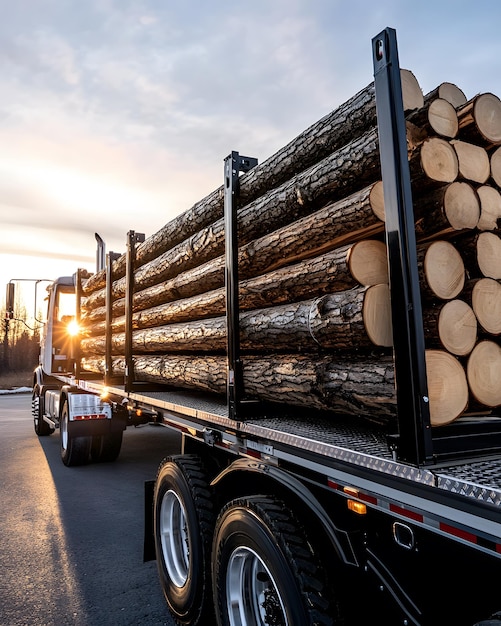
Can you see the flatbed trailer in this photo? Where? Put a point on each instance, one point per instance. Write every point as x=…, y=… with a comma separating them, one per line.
x=279, y=515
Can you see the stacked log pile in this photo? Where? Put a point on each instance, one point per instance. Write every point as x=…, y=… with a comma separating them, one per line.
x=314, y=293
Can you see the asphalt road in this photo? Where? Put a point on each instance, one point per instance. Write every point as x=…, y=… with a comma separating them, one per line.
x=71, y=539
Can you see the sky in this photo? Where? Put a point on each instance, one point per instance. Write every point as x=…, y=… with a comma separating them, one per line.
x=116, y=115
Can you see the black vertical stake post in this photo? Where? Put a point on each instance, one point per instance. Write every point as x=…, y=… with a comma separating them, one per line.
x=75, y=343
x=130, y=261
x=233, y=164
x=415, y=440
x=108, y=366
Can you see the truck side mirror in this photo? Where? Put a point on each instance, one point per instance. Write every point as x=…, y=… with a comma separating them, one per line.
x=9, y=301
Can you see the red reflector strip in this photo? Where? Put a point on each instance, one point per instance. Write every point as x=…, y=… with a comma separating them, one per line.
x=462, y=534
x=92, y=416
x=417, y=517
x=366, y=498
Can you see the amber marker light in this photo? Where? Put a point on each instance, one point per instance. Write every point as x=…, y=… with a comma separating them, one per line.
x=357, y=507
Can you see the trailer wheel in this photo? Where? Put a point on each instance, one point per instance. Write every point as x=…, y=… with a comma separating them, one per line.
x=106, y=448
x=264, y=568
x=42, y=429
x=74, y=450
x=183, y=526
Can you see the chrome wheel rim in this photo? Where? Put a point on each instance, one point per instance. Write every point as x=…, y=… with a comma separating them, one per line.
x=252, y=594
x=174, y=538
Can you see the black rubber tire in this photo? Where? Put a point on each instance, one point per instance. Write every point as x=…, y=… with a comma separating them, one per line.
x=74, y=450
x=262, y=557
x=182, y=504
x=106, y=448
x=42, y=429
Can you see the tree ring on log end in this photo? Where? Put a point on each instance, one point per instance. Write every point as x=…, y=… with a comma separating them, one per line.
x=457, y=327
x=489, y=255
x=447, y=387
x=439, y=160
x=444, y=270
x=496, y=166
x=368, y=262
x=490, y=207
x=486, y=303
x=487, y=113
x=443, y=118
x=484, y=365
x=462, y=205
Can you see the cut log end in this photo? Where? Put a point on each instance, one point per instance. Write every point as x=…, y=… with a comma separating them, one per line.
x=443, y=118
x=457, y=327
x=439, y=160
x=377, y=315
x=490, y=207
x=462, y=206
x=444, y=270
x=376, y=199
x=484, y=365
x=412, y=95
x=368, y=262
x=487, y=113
x=447, y=387
x=489, y=255
x=473, y=161
x=452, y=93
x=486, y=304
x=496, y=166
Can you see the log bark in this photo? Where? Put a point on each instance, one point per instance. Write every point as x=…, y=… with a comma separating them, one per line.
x=333, y=226
x=312, y=278
x=334, y=322
x=338, y=128
x=490, y=207
x=474, y=164
x=483, y=367
x=447, y=91
x=486, y=303
x=480, y=120
x=441, y=270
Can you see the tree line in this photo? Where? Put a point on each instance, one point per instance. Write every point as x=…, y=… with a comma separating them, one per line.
x=20, y=346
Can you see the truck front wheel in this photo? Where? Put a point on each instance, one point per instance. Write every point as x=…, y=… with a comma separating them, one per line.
x=264, y=568
x=42, y=429
x=183, y=524
x=74, y=450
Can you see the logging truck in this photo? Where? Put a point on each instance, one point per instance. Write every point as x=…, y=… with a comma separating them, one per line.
x=331, y=360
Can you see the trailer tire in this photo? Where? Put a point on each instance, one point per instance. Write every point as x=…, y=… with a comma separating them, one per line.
x=183, y=520
x=106, y=448
x=74, y=450
x=42, y=429
x=264, y=568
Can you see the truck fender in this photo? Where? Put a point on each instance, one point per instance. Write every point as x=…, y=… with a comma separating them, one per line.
x=339, y=539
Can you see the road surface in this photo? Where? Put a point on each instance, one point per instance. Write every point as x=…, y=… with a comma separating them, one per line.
x=71, y=549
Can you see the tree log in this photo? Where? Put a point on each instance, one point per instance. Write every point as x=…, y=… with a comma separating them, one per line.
x=454, y=207
x=486, y=303
x=480, y=120
x=483, y=367
x=452, y=326
x=447, y=91
x=349, y=386
x=473, y=161
x=435, y=162
x=331, y=227
x=438, y=117
x=368, y=262
x=311, y=278
x=338, y=128
x=334, y=321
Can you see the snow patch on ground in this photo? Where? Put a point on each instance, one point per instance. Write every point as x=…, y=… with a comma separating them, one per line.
x=17, y=390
